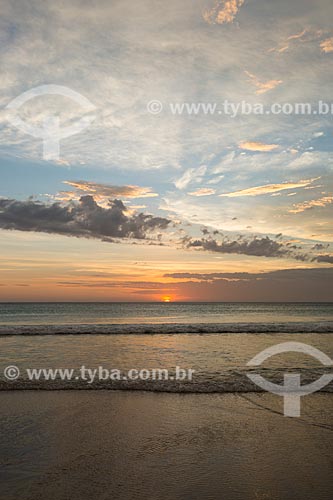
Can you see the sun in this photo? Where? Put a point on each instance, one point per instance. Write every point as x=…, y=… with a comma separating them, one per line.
x=166, y=298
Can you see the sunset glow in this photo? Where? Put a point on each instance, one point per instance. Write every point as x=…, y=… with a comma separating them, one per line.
x=166, y=208
x=150, y=204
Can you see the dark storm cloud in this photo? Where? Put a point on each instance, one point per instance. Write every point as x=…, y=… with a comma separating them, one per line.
x=259, y=247
x=307, y=284
x=325, y=274
x=83, y=219
x=328, y=259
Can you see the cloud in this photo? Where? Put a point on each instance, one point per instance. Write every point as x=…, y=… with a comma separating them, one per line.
x=291, y=274
x=324, y=259
x=327, y=45
x=268, y=188
x=190, y=175
x=257, y=146
x=285, y=44
x=203, y=192
x=305, y=36
x=302, y=284
x=306, y=205
x=259, y=247
x=224, y=11
x=102, y=193
x=135, y=285
x=263, y=87
x=319, y=246
x=267, y=214
x=209, y=276
x=297, y=36
x=121, y=91
x=83, y=219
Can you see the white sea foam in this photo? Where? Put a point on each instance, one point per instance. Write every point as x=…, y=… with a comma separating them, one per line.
x=233, y=381
x=167, y=328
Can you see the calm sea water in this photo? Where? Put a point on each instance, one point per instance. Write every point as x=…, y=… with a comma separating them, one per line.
x=45, y=318
x=214, y=339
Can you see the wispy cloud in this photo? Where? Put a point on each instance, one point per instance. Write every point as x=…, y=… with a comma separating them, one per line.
x=190, y=175
x=297, y=36
x=285, y=44
x=268, y=189
x=308, y=35
x=263, y=87
x=203, y=192
x=102, y=193
x=306, y=205
x=224, y=11
x=257, y=146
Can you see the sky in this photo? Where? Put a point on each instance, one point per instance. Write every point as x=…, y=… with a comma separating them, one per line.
x=153, y=199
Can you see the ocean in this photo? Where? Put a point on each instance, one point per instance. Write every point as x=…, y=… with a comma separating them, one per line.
x=216, y=435
x=108, y=318
x=215, y=340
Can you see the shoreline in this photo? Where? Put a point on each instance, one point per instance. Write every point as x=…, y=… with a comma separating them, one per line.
x=86, y=444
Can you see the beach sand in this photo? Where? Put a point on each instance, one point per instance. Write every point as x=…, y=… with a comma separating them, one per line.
x=102, y=445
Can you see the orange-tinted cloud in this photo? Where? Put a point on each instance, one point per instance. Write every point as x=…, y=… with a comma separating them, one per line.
x=321, y=202
x=297, y=36
x=103, y=192
x=268, y=189
x=263, y=87
x=202, y=192
x=285, y=44
x=257, y=146
x=327, y=45
x=224, y=11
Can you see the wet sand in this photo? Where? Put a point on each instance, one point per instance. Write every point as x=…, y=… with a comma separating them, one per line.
x=102, y=445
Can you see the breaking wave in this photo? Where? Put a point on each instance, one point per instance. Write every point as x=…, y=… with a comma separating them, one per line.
x=232, y=381
x=167, y=328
